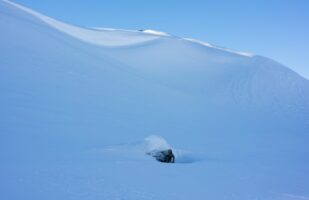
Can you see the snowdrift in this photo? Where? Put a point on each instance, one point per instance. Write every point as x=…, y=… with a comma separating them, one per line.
x=239, y=121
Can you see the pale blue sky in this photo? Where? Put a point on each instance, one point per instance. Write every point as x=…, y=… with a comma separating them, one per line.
x=278, y=29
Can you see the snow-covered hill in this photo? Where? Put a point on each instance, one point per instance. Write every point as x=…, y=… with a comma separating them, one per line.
x=77, y=103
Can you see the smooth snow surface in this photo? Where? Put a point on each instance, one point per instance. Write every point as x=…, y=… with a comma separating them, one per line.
x=102, y=37
x=220, y=48
x=78, y=117
x=154, y=32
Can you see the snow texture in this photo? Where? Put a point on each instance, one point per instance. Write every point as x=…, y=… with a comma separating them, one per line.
x=78, y=105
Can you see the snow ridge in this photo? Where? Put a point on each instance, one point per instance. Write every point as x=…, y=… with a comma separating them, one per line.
x=220, y=48
x=111, y=37
x=102, y=37
x=74, y=116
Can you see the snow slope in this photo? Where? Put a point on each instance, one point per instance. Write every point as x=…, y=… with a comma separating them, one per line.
x=96, y=37
x=78, y=106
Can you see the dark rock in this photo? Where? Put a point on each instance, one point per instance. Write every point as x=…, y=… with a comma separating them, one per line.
x=165, y=156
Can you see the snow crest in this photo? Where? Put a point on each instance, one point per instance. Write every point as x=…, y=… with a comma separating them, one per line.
x=246, y=54
x=96, y=36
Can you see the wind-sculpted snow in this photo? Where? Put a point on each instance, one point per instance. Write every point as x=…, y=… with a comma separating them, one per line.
x=102, y=37
x=224, y=49
x=137, y=149
x=141, y=151
x=156, y=143
x=78, y=105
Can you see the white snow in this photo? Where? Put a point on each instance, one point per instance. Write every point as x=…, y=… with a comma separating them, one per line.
x=76, y=116
x=220, y=48
x=154, y=32
x=94, y=36
x=156, y=143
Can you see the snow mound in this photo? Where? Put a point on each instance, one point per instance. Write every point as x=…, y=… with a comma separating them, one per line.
x=158, y=143
x=135, y=150
x=97, y=36
x=237, y=119
x=140, y=150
